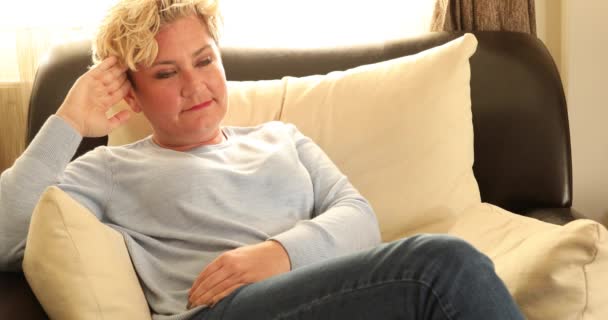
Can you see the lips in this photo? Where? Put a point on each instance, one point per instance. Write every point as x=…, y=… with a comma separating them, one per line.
x=199, y=106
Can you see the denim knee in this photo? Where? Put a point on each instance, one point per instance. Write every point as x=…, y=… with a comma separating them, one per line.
x=441, y=253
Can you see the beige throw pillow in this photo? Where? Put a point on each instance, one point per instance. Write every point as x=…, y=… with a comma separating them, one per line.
x=77, y=267
x=401, y=130
x=553, y=272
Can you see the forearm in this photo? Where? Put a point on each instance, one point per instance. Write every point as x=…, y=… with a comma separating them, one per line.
x=340, y=230
x=22, y=185
x=342, y=222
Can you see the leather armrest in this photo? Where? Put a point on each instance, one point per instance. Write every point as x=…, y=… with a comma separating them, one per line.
x=17, y=301
x=559, y=216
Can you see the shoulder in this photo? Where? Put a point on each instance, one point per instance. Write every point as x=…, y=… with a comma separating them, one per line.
x=267, y=128
x=271, y=132
x=138, y=146
x=111, y=153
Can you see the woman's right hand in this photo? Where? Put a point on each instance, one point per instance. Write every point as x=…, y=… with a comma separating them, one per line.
x=92, y=95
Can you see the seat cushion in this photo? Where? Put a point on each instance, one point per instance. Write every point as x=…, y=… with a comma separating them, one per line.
x=552, y=271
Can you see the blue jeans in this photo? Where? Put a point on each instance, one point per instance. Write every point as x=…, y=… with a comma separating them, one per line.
x=422, y=277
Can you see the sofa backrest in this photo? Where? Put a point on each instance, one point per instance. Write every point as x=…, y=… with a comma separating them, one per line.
x=520, y=120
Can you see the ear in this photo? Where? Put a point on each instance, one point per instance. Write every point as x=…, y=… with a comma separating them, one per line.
x=132, y=101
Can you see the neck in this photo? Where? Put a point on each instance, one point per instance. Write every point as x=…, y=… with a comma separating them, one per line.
x=217, y=139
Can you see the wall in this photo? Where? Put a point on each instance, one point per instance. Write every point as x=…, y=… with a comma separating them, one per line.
x=12, y=124
x=549, y=30
x=576, y=34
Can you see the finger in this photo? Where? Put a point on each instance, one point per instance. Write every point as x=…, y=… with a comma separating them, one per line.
x=225, y=293
x=106, y=63
x=207, y=291
x=119, y=68
x=120, y=93
x=217, y=298
x=116, y=84
x=109, y=76
x=209, y=269
x=114, y=72
x=103, y=67
x=207, y=287
x=118, y=119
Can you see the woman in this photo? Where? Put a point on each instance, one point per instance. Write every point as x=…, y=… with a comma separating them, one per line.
x=213, y=227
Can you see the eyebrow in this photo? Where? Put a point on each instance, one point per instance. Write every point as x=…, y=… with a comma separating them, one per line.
x=194, y=54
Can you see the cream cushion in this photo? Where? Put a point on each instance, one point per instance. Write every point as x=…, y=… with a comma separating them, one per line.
x=401, y=130
x=77, y=267
x=553, y=272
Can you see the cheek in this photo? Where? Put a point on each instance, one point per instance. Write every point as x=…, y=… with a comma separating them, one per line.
x=219, y=85
x=160, y=99
x=220, y=90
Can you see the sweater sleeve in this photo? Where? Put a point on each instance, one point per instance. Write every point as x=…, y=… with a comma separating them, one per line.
x=41, y=165
x=343, y=221
x=22, y=185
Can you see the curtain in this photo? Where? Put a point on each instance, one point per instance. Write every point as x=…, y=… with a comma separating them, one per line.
x=484, y=15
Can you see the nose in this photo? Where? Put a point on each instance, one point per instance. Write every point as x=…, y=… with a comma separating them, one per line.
x=192, y=83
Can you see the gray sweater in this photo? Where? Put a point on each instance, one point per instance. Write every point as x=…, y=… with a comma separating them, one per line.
x=179, y=210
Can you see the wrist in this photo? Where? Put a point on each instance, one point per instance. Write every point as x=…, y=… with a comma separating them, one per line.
x=280, y=252
x=69, y=121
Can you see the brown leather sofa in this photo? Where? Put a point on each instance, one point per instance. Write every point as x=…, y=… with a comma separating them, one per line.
x=520, y=119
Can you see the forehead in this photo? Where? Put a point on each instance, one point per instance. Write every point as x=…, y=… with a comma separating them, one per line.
x=183, y=33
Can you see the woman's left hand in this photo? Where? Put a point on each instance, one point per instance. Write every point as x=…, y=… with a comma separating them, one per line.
x=236, y=268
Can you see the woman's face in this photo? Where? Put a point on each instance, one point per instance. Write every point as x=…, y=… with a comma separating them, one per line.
x=183, y=93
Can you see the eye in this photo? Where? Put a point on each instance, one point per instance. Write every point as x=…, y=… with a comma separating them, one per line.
x=204, y=62
x=164, y=74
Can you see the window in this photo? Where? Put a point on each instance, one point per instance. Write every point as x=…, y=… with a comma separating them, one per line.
x=25, y=34
x=29, y=28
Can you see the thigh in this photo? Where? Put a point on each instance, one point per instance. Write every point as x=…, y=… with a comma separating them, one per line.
x=363, y=285
x=413, y=278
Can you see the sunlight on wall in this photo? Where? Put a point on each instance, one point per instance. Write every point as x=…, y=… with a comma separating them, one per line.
x=56, y=13
x=322, y=22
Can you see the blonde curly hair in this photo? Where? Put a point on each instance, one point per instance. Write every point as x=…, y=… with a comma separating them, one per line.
x=129, y=28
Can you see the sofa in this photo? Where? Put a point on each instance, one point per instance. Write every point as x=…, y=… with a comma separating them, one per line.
x=522, y=155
